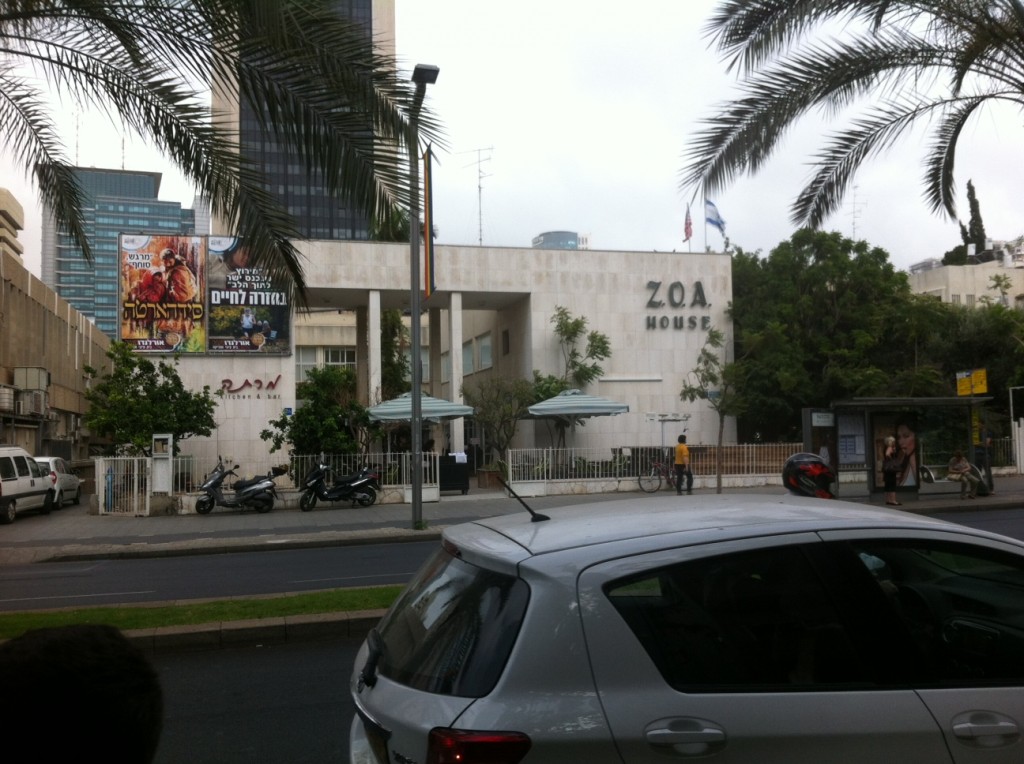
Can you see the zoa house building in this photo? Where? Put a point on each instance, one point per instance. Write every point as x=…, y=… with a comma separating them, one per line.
x=491, y=314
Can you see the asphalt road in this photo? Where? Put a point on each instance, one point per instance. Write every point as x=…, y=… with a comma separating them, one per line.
x=130, y=581
x=278, y=703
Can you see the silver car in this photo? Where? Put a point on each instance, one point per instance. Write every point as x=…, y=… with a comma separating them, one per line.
x=737, y=629
x=67, y=486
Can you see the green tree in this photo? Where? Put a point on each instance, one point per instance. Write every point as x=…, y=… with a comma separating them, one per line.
x=1002, y=284
x=717, y=382
x=974, y=231
x=957, y=255
x=822, y=318
x=394, y=339
x=798, y=57
x=149, y=64
x=140, y=397
x=500, y=403
x=330, y=420
x=582, y=366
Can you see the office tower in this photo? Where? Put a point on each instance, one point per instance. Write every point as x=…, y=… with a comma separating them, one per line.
x=317, y=215
x=117, y=201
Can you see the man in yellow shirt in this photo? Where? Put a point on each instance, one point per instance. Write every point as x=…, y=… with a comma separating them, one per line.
x=683, y=467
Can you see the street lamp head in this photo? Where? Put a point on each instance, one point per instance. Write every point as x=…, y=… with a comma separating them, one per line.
x=425, y=74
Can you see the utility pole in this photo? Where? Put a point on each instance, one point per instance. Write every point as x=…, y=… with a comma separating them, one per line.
x=480, y=159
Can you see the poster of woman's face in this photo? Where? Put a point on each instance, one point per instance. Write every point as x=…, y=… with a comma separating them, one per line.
x=903, y=427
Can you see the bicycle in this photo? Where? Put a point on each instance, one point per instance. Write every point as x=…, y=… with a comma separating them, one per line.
x=651, y=480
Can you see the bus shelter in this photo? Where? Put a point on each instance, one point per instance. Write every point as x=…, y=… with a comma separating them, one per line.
x=851, y=437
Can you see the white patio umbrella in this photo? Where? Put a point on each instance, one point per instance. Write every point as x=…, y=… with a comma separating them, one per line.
x=570, y=406
x=433, y=409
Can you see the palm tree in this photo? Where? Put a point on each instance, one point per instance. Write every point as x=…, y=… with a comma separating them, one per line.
x=320, y=88
x=937, y=61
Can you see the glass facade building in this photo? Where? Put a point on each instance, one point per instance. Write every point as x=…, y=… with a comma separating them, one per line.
x=557, y=240
x=317, y=214
x=117, y=201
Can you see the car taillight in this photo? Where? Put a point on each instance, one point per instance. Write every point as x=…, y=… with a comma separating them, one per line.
x=53, y=478
x=452, y=746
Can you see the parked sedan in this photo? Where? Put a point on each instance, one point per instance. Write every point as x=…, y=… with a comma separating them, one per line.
x=733, y=629
x=67, y=486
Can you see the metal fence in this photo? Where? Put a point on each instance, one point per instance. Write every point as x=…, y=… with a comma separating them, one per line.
x=525, y=464
x=393, y=468
x=630, y=461
x=122, y=485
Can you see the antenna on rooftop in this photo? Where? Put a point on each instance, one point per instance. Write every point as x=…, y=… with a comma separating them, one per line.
x=480, y=159
x=855, y=208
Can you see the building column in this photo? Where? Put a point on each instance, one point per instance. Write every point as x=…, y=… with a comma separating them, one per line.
x=455, y=353
x=374, y=364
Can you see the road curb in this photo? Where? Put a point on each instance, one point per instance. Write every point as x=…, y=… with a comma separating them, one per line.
x=255, y=632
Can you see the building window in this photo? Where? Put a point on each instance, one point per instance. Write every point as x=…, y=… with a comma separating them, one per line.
x=505, y=342
x=305, y=359
x=483, y=343
x=340, y=356
x=955, y=299
x=467, y=357
x=970, y=301
x=424, y=363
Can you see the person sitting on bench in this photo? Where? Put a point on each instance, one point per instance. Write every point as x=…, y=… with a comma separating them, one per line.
x=960, y=470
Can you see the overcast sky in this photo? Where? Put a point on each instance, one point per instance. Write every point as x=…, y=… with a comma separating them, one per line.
x=575, y=115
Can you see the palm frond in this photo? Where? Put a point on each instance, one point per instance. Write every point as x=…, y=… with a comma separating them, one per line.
x=926, y=59
x=837, y=162
x=941, y=157
x=339, y=108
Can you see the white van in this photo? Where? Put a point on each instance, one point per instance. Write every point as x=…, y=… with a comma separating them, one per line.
x=23, y=484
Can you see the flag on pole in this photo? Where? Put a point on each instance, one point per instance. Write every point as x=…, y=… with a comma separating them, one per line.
x=428, y=229
x=688, y=226
x=712, y=217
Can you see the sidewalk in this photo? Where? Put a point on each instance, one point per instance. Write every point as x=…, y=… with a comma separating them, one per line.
x=73, y=534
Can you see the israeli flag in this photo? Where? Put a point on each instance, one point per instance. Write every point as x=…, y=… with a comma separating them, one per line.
x=711, y=216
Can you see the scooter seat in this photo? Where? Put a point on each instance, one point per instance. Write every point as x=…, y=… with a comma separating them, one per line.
x=243, y=484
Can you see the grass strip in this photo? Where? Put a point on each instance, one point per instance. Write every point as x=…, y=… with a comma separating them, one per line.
x=187, y=614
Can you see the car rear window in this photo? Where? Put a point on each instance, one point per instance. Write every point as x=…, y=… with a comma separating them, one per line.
x=7, y=468
x=758, y=620
x=453, y=628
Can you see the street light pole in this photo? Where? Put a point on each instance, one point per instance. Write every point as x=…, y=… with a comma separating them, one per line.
x=422, y=75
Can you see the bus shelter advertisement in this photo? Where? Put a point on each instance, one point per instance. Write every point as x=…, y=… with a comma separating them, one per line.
x=198, y=294
x=246, y=313
x=162, y=287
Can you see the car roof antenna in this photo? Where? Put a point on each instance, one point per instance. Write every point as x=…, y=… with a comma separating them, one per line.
x=535, y=517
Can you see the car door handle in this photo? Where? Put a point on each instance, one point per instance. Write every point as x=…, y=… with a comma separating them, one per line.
x=985, y=729
x=688, y=735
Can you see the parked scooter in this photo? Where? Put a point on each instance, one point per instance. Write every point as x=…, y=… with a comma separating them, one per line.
x=255, y=493
x=360, y=488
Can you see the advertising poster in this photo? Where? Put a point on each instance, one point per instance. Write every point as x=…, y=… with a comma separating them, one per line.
x=161, y=293
x=903, y=429
x=246, y=313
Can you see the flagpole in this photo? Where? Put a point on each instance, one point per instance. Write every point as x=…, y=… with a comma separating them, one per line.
x=705, y=216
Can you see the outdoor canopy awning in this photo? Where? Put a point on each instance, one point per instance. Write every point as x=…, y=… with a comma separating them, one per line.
x=432, y=409
x=570, y=405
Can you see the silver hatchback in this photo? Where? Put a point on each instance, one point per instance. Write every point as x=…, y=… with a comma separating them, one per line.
x=67, y=486
x=737, y=629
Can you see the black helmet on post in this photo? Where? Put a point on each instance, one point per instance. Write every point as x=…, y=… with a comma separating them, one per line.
x=808, y=475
